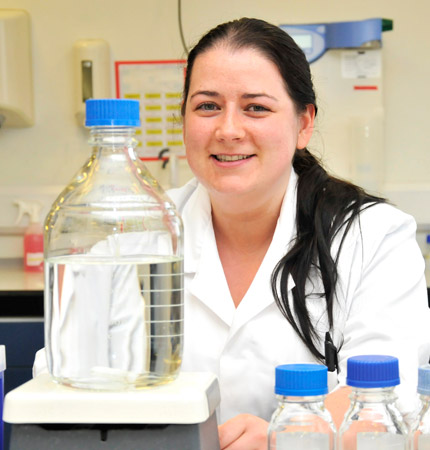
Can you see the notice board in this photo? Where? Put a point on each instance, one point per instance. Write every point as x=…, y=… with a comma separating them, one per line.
x=158, y=86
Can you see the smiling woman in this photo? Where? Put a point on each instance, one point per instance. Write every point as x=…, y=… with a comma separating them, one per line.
x=277, y=251
x=241, y=128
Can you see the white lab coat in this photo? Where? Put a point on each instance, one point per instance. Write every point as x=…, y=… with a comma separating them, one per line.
x=381, y=305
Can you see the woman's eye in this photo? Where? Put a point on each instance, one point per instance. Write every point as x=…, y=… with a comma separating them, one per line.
x=207, y=107
x=257, y=108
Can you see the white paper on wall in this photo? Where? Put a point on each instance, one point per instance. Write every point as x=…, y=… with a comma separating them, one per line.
x=361, y=64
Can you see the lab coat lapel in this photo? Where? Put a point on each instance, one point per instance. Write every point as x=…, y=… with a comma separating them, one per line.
x=201, y=259
x=209, y=283
x=197, y=218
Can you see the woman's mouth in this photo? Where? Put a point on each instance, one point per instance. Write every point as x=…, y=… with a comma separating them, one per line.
x=229, y=158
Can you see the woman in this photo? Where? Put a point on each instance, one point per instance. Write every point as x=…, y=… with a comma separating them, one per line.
x=277, y=251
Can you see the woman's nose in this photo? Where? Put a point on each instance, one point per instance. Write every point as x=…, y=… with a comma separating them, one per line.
x=230, y=127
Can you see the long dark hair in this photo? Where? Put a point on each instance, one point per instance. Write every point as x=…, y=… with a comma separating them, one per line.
x=326, y=206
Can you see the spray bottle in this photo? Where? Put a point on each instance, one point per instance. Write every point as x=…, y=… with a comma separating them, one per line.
x=33, y=236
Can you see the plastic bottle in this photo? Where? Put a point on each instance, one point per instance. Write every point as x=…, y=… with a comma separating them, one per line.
x=373, y=421
x=301, y=420
x=33, y=236
x=421, y=428
x=113, y=265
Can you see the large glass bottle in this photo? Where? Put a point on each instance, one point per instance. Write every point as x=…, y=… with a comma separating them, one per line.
x=113, y=265
x=301, y=420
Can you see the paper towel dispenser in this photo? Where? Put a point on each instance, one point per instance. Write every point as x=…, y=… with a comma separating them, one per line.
x=16, y=80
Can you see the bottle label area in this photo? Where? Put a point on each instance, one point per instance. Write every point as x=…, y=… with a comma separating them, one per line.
x=34, y=259
x=380, y=441
x=305, y=440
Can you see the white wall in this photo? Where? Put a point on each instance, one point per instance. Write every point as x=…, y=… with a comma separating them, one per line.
x=54, y=148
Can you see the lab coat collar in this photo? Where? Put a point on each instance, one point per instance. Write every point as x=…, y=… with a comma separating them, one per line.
x=198, y=223
x=201, y=258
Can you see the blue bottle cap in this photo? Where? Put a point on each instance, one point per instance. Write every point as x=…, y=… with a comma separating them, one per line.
x=112, y=112
x=301, y=380
x=372, y=371
x=428, y=239
x=424, y=380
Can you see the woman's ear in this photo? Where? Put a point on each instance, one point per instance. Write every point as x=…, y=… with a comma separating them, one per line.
x=306, y=126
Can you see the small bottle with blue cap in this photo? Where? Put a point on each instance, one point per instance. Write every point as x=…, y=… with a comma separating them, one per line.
x=373, y=421
x=301, y=420
x=421, y=427
x=113, y=265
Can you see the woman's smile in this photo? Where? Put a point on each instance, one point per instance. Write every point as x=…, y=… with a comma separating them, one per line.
x=231, y=158
x=231, y=161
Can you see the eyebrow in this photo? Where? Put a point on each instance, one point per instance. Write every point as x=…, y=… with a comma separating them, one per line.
x=259, y=94
x=207, y=93
x=244, y=96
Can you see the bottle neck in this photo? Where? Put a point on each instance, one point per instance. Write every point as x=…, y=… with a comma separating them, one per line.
x=301, y=399
x=373, y=395
x=113, y=137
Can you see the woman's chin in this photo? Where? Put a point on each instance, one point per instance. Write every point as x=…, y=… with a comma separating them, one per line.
x=228, y=187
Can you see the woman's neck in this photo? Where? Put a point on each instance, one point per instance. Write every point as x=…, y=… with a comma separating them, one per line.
x=245, y=227
x=243, y=232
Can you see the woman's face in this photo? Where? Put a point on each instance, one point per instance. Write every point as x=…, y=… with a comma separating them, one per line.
x=240, y=125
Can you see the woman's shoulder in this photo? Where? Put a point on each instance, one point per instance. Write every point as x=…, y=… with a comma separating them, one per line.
x=379, y=225
x=375, y=248
x=385, y=217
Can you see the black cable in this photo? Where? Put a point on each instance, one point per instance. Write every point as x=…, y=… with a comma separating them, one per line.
x=180, y=27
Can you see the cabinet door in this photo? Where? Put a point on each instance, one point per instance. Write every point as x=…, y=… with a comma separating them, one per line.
x=22, y=338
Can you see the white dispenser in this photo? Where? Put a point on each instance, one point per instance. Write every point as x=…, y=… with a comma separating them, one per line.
x=16, y=81
x=346, y=65
x=92, y=67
